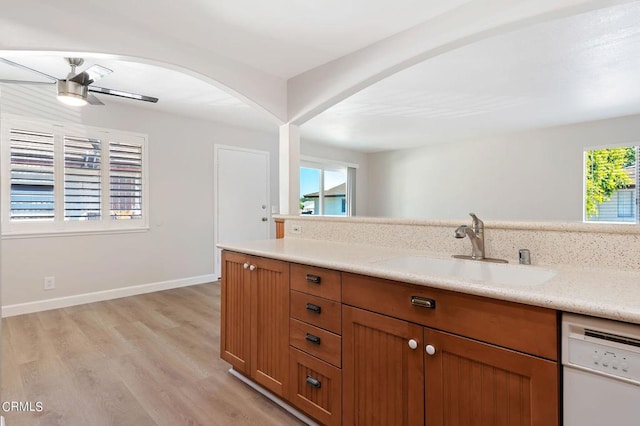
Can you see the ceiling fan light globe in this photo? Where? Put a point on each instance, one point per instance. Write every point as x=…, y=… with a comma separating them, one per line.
x=72, y=100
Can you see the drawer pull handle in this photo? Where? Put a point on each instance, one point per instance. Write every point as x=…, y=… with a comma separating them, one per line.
x=423, y=302
x=313, y=339
x=314, y=382
x=314, y=279
x=314, y=308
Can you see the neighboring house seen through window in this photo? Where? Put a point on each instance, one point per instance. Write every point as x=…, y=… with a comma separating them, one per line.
x=69, y=178
x=611, y=185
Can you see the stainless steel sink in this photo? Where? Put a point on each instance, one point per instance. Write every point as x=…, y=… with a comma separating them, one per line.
x=470, y=270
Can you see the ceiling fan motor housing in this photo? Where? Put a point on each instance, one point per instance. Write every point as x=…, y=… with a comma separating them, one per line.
x=72, y=89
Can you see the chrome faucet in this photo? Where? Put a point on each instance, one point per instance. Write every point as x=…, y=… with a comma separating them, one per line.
x=475, y=234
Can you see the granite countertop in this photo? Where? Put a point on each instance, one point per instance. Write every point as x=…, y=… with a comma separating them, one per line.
x=600, y=292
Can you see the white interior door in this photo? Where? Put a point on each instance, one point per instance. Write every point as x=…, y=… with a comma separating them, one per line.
x=242, y=195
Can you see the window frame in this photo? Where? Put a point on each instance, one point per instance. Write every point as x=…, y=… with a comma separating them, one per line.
x=329, y=165
x=636, y=190
x=60, y=225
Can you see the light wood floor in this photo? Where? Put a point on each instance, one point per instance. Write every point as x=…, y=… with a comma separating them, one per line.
x=142, y=360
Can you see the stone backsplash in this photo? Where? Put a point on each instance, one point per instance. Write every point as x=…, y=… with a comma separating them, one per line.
x=592, y=245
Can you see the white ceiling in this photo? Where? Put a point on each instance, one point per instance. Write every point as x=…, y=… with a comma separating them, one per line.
x=281, y=37
x=179, y=93
x=570, y=70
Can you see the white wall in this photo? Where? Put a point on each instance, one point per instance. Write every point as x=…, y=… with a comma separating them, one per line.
x=328, y=152
x=177, y=246
x=534, y=175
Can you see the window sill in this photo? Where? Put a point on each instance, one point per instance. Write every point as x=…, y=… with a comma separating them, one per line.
x=74, y=233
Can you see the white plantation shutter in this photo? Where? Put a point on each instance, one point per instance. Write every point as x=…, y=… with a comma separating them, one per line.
x=82, y=180
x=32, y=175
x=125, y=180
x=71, y=178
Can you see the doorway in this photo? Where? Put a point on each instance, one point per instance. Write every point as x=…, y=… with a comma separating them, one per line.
x=241, y=183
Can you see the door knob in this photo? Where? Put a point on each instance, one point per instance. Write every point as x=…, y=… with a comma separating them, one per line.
x=245, y=265
x=264, y=219
x=431, y=350
x=252, y=267
x=413, y=344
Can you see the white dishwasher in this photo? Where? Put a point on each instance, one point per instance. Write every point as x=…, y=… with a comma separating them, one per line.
x=601, y=370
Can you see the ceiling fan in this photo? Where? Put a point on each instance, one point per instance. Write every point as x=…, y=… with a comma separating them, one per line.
x=76, y=89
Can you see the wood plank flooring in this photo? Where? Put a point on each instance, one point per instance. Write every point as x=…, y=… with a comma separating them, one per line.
x=151, y=359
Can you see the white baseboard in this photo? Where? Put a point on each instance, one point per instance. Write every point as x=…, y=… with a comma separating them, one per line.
x=99, y=296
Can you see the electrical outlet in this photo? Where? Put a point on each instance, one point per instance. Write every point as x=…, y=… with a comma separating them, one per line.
x=296, y=229
x=49, y=283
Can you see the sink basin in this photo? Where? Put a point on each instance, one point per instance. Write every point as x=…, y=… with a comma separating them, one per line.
x=470, y=270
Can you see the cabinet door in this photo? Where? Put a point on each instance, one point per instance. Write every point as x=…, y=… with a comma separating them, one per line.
x=270, y=324
x=382, y=376
x=473, y=383
x=234, y=311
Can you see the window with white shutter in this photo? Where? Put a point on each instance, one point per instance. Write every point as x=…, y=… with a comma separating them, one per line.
x=125, y=179
x=68, y=178
x=32, y=175
x=82, y=178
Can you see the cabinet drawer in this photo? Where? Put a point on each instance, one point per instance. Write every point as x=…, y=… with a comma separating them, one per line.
x=317, y=281
x=323, y=313
x=316, y=387
x=516, y=326
x=316, y=341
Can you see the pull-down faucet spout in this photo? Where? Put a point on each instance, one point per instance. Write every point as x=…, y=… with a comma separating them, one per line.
x=475, y=234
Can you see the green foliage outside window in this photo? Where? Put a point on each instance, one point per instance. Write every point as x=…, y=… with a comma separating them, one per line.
x=606, y=174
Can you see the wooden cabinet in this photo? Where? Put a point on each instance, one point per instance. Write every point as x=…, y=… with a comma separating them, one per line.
x=254, y=336
x=459, y=380
x=235, y=308
x=473, y=383
x=383, y=377
x=316, y=343
x=355, y=350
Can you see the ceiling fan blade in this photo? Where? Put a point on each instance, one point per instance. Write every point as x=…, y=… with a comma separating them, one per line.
x=22, y=67
x=122, y=94
x=47, y=83
x=92, y=100
x=91, y=74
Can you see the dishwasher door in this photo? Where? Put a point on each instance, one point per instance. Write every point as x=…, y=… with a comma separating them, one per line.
x=592, y=399
x=601, y=372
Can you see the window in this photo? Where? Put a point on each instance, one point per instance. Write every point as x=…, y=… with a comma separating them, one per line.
x=327, y=189
x=611, y=190
x=71, y=178
x=31, y=179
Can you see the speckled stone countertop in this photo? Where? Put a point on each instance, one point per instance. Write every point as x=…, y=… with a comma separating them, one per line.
x=600, y=292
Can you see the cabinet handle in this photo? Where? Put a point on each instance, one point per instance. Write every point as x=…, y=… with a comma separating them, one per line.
x=245, y=265
x=423, y=302
x=314, y=308
x=313, y=339
x=431, y=350
x=314, y=279
x=413, y=344
x=252, y=267
x=314, y=382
